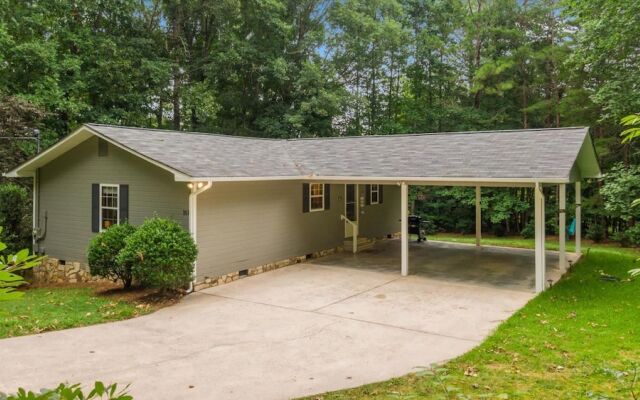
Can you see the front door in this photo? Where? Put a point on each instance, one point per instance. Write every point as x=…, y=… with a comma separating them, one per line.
x=350, y=208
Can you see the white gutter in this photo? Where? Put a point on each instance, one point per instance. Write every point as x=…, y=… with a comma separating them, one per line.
x=412, y=180
x=196, y=189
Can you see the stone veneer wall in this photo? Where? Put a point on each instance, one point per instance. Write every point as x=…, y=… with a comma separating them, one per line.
x=208, y=282
x=51, y=270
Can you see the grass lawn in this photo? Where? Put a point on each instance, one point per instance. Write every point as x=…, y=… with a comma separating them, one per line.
x=54, y=308
x=578, y=340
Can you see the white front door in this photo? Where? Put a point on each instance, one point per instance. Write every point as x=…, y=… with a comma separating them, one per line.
x=350, y=208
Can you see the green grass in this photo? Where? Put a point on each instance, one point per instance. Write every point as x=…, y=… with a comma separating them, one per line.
x=48, y=309
x=517, y=241
x=579, y=339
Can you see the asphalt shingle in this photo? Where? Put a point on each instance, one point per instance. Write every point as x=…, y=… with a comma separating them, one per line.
x=530, y=154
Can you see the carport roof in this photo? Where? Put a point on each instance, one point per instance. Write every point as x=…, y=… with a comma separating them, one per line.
x=530, y=155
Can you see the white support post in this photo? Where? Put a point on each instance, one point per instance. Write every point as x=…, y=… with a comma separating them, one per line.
x=478, y=217
x=540, y=237
x=196, y=188
x=578, y=219
x=404, y=229
x=562, y=227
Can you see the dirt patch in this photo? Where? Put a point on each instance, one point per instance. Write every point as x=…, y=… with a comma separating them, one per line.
x=143, y=297
x=151, y=298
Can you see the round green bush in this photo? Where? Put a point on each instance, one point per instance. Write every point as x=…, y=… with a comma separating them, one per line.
x=161, y=253
x=529, y=231
x=103, y=250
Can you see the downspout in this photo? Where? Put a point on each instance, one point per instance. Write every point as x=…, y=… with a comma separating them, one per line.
x=196, y=189
x=35, y=214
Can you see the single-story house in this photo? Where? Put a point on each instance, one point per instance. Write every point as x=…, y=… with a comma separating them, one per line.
x=249, y=202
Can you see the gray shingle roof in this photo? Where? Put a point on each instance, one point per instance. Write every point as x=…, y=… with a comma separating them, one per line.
x=516, y=154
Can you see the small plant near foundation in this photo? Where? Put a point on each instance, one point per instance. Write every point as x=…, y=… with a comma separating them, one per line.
x=103, y=250
x=161, y=254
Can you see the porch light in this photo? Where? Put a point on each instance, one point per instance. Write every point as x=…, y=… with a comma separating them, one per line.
x=190, y=185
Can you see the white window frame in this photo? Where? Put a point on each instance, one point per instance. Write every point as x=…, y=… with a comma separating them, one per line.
x=101, y=207
x=312, y=196
x=376, y=191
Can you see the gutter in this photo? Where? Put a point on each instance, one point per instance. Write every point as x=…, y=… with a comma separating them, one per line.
x=196, y=189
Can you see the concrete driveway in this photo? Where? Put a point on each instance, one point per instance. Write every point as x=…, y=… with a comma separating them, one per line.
x=296, y=331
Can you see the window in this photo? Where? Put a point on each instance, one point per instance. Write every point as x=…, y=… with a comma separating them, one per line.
x=316, y=197
x=108, y=205
x=374, y=194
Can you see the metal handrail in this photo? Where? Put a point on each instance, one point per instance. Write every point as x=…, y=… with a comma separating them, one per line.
x=355, y=232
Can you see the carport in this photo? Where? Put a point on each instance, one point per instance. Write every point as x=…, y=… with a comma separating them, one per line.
x=489, y=266
x=541, y=159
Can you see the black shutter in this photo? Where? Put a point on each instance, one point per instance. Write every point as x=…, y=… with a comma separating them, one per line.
x=380, y=191
x=123, y=203
x=305, y=197
x=327, y=196
x=367, y=194
x=95, y=207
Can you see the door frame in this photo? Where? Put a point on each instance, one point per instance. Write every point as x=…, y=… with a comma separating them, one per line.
x=348, y=229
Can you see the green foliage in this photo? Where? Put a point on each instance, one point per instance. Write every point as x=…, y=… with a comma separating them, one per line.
x=161, y=254
x=103, y=250
x=72, y=392
x=628, y=237
x=10, y=264
x=595, y=231
x=14, y=216
x=529, y=231
x=621, y=188
x=633, y=122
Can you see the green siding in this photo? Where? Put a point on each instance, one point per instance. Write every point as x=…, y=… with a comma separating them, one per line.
x=65, y=194
x=379, y=220
x=246, y=224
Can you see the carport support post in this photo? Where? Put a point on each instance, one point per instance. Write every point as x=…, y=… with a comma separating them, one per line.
x=478, y=217
x=539, y=233
x=562, y=226
x=578, y=219
x=404, y=229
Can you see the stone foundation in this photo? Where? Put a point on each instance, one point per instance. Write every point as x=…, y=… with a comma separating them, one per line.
x=208, y=282
x=52, y=270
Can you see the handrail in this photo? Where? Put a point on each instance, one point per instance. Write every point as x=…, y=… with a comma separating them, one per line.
x=355, y=231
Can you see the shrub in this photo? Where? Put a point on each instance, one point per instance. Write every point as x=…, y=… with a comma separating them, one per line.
x=529, y=231
x=595, y=232
x=499, y=230
x=161, y=253
x=14, y=216
x=103, y=250
x=628, y=237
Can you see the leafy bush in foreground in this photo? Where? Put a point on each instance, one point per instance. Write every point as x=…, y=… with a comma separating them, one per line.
x=71, y=392
x=161, y=254
x=9, y=265
x=103, y=250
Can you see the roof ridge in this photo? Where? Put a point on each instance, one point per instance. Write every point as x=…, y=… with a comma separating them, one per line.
x=441, y=133
x=227, y=135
